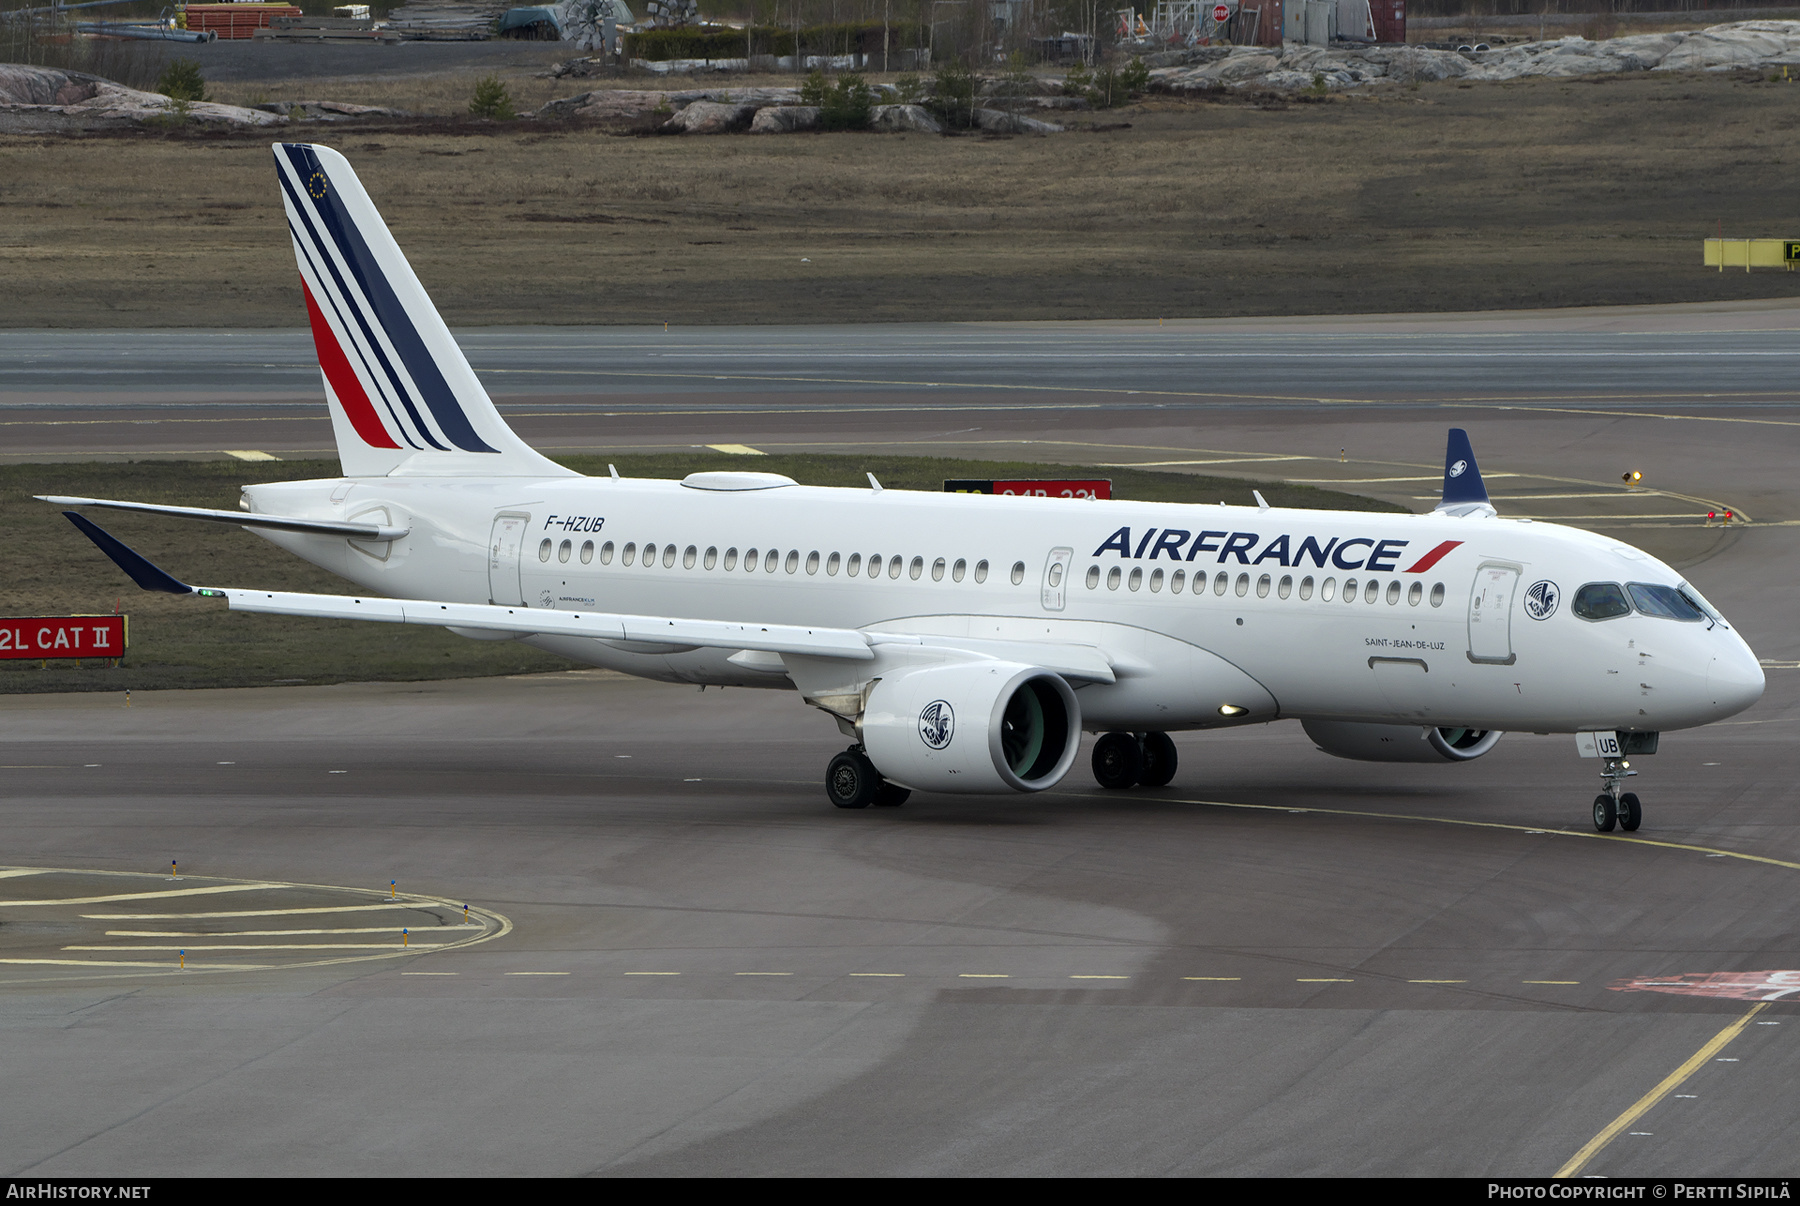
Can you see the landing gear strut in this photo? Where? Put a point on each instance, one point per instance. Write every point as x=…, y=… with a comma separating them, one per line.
x=1134, y=760
x=1614, y=807
x=852, y=781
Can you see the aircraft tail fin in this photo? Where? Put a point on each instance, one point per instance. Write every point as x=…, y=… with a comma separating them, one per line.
x=403, y=398
x=1464, y=491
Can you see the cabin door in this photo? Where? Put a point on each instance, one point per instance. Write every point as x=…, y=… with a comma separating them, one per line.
x=1490, y=614
x=503, y=560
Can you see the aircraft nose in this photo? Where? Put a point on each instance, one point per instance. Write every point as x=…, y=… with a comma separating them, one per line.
x=1734, y=681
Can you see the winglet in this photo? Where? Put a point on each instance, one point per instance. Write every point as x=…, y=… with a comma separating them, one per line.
x=1464, y=492
x=128, y=559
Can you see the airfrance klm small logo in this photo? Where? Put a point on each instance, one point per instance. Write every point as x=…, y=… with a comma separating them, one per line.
x=1541, y=599
x=937, y=724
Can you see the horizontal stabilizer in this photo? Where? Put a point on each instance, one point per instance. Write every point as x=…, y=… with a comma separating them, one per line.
x=134, y=563
x=247, y=519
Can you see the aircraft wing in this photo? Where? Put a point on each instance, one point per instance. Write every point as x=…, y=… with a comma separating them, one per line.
x=1073, y=661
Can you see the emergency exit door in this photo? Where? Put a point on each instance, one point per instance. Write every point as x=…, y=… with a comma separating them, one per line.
x=503, y=560
x=1490, y=614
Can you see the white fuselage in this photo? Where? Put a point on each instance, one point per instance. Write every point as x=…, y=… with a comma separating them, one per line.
x=1197, y=607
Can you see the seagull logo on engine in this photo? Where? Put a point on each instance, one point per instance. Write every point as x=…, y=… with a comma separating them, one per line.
x=937, y=724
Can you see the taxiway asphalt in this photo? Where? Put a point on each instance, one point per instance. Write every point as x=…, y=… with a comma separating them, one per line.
x=1281, y=964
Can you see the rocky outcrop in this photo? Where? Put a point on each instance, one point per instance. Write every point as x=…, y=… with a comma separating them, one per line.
x=637, y=104
x=1741, y=44
x=711, y=117
x=47, y=97
x=998, y=121
x=898, y=119
x=316, y=110
x=785, y=119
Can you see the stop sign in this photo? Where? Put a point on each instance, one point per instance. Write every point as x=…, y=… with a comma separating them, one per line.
x=1220, y=12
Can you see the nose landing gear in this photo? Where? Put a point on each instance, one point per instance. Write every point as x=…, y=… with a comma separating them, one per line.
x=1613, y=807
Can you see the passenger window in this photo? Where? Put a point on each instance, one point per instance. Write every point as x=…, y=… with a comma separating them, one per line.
x=855, y=565
x=1393, y=593
x=875, y=566
x=894, y=563
x=1136, y=580
x=1414, y=593
x=1372, y=591
x=1156, y=581
x=1018, y=572
x=587, y=552
x=937, y=570
x=606, y=552
x=712, y=557
x=1199, y=583
x=649, y=555
x=1243, y=585
x=629, y=555
x=1306, y=587
x=1112, y=578
x=1093, y=576
x=956, y=571
x=563, y=550
x=669, y=556
x=831, y=565
x=1056, y=573
x=1221, y=582
x=544, y=550
x=1601, y=601
x=1176, y=581
x=689, y=556
x=793, y=561
x=812, y=562
x=1663, y=601
x=731, y=559
x=980, y=571
x=917, y=569
x=1262, y=587
x=1286, y=586
x=1327, y=589
x=772, y=558
x=752, y=557
x=1437, y=595
x=1349, y=590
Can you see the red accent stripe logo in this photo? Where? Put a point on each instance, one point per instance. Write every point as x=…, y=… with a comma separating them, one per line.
x=343, y=380
x=1432, y=558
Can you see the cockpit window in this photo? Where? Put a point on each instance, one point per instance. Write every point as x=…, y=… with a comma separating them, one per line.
x=1601, y=601
x=1699, y=600
x=1664, y=601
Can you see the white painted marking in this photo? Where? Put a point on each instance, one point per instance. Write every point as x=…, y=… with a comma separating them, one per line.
x=1690, y=1096
x=1723, y=1059
x=249, y=454
x=653, y=973
x=762, y=973
x=367, y=908
x=16, y=872
x=982, y=976
x=82, y=900
x=881, y=975
x=1099, y=977
x=165, y=965
x=1212, y=978
x=537, y=973
x=273, y=946
x=367, y=929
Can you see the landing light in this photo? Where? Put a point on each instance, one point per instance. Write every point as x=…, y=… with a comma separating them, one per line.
x=1231, y=710
x=1632, y=477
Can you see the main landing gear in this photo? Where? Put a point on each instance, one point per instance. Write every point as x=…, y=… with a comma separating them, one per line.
x=1134, y=760
x=853, y=782
x=1614, y=807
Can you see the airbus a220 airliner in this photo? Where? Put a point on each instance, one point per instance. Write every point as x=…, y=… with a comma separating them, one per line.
x=962, y=643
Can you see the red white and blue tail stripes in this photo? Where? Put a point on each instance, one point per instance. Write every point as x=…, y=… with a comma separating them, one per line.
x=387, y=357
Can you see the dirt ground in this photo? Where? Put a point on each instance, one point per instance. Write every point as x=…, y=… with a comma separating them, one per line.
x=1449, y=197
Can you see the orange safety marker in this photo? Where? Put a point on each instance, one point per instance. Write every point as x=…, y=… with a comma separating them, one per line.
x=465, y=912
x=183, y=960
x=403, y=937
x=174, y=873
x=393, y=885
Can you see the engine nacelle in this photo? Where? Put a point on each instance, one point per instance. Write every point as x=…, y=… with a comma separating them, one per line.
x=1399, y=742
x=972, y=727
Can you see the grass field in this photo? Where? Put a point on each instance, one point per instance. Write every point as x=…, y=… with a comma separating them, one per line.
x=1530, y=194
x=188, y=642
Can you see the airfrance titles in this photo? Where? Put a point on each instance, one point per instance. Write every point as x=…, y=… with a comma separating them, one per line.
x=1356, y=552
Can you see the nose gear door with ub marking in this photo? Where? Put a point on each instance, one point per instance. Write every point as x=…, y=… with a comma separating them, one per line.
x=503, y=560
x=1056, y=579
x=1490, y=613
